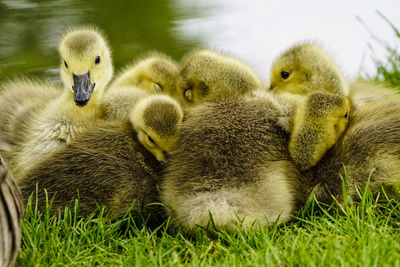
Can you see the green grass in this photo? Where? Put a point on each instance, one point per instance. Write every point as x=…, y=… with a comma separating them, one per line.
x=366, y=233
x=388, y=69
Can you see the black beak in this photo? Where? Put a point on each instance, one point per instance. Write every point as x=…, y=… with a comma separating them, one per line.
x=82, y=89
x=166, y=155
x=272, y=86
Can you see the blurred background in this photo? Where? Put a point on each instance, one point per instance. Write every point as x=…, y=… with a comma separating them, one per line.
x=360, y=35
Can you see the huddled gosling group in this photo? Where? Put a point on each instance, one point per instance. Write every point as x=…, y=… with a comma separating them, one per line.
x=205, y=137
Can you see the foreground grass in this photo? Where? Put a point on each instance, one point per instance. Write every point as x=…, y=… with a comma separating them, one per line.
x=361, y=234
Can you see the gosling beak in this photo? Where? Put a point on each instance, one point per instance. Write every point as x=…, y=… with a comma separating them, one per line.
x=82, y=89
x=272, y=86
x=166, y=156
x=162, y=157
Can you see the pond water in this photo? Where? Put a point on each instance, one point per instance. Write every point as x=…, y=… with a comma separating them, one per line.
x=256, y=31
x=30, y=31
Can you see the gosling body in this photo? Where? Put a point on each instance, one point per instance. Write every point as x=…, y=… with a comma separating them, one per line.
x=363, y=93
x=368, y=150
x=108, y=162
x=18, y=101
x=232, y=166
x=106, y=165
x=241, y=176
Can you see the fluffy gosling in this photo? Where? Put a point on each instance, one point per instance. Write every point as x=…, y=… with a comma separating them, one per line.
x=157, y=120
x=206, y=75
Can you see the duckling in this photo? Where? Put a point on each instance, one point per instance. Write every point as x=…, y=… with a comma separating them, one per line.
x=157, y=120
x=11, y=213
x=154, y=74
x=303, y=70
x=86, y=69
x=205, y=75
x=107, y=163
x=317, y=125
x=231, y=166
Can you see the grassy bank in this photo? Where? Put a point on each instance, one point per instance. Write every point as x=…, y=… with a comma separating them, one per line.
x=361, y=234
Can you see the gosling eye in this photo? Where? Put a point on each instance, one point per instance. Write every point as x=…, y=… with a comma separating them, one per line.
x=285, y=74
x=188, y=95
x=65, y=64
x=346, y=115
x=157, y=87
x=151, y=141
x=97, y=60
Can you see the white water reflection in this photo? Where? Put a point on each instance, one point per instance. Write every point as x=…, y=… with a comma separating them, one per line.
x=257, y=31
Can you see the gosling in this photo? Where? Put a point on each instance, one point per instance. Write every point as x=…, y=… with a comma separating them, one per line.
x=86, y=69
x=298, y=74
x=317, y=125
x=105, y=165
x=226, y=176
x=19, y=99
x=231, y=166
x=157, y=121
x=206, y=75
x=306, y=68
x=108, y=164
x=154, y=74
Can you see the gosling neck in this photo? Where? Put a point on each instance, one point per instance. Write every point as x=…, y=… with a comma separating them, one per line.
x=90, y=110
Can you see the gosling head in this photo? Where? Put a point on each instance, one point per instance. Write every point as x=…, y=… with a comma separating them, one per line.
x=157, y=120
x=305, y=68
x=86, y=66
x=317, y=126
x=206, y=75
x=155, y=73
x=332, y=110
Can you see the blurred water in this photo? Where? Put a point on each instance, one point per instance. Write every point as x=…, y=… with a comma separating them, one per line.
x=256, y=30
x=30, y=30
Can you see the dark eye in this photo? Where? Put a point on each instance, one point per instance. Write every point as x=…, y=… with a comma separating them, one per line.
x=151, y=140
x=65, y=64
x=97, y=60
x=285, y=74
x=346, y=115
x=157, y=87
